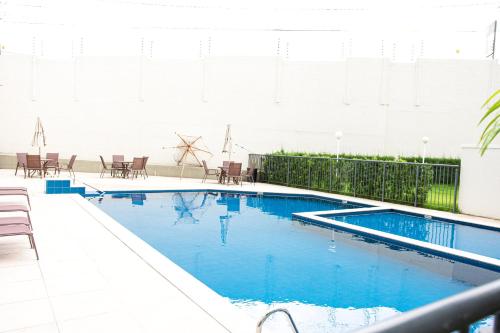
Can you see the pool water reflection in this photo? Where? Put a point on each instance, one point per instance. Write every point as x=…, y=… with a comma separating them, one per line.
x=248, y=249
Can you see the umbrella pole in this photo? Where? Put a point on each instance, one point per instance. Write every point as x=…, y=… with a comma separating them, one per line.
x=182, y=171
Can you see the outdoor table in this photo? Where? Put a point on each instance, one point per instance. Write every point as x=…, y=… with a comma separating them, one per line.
x=44, y=162
x=223, y=172
x=125, y=165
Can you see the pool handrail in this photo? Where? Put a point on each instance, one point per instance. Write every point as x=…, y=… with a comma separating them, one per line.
x=455, y=313
x=267, y=315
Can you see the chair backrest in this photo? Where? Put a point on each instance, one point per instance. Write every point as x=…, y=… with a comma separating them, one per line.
x=71, y=161
x=117, y=161
x=225, y=164
x=21, y=158
x=103, y=163
x=33, y=162
x=234, y=170
x=144, y=161
x=205, y=165
x=53, y=159
x=137, y=163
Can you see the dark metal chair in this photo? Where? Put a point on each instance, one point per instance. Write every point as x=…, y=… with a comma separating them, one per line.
x=104, y=167
x=117, y=165
x=52, y=162
x=249, y=175
x=21, y=162
x=234, y=173
x=136, y=167
x=209, y=172
x=145, y=161
x=34, y=165
x=69, y=167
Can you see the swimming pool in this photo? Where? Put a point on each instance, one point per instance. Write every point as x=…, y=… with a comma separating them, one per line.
x=247, y=248
x=475, y=239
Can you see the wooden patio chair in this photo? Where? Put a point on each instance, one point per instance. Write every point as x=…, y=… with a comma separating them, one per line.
x=21, y=162
x=34, y=165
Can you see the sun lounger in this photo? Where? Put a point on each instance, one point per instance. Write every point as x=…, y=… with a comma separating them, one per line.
x=19, y=230
x=16, y=192
x=14, y=220
x=13, y=188
x=12, y=208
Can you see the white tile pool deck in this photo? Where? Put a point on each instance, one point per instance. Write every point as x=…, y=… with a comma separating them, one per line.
x=88, y=280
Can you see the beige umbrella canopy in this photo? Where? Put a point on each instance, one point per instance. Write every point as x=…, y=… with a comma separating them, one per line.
x=39, y=138
x=190, y=151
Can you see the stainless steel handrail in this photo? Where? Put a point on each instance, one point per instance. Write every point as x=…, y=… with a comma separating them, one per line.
x=455, y=313
x=267, y=315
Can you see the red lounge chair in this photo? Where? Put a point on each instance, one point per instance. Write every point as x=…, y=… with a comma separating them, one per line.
x=16, y=192
x=19, y=230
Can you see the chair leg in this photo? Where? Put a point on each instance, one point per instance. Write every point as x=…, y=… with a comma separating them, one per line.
x=29, y=203
x=32, y=240
x=17, y=166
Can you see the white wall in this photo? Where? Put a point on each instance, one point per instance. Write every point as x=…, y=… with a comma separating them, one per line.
x=106, y=105
x=480, y=182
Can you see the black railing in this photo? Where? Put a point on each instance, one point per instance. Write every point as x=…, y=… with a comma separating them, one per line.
x=418, y=184
x=456, y=313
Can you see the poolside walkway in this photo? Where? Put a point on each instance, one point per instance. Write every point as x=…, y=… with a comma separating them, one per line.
x=88, y=280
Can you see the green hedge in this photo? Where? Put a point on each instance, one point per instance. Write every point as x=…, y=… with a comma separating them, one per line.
x=395, y=182
x=414, y=159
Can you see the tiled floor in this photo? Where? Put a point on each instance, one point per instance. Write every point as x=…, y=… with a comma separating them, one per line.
x=87, y=280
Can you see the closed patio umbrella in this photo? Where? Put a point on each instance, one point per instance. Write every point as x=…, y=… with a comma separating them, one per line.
x=39, y=138
x=228, y=142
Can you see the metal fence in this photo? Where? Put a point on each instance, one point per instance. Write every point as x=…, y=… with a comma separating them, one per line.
x=418, y=184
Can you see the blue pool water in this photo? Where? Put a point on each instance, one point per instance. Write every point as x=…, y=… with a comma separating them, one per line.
x=248, y=249
x=441, y=232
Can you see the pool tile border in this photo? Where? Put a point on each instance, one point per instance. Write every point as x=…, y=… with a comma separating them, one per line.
x=215, y=305
x=318, y=218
